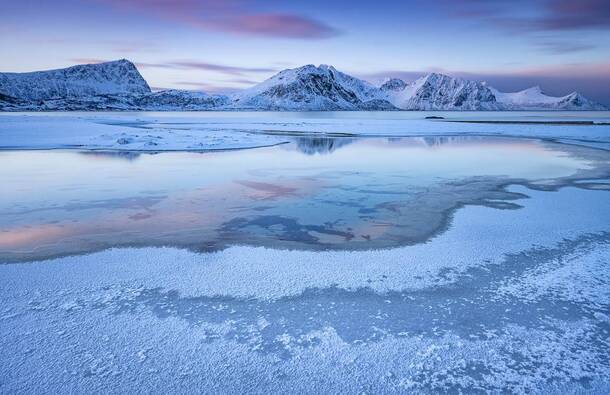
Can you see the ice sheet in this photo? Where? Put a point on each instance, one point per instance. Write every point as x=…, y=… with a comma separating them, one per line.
x=466, y=311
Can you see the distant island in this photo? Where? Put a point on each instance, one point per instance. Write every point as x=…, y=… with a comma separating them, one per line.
x=119, y=86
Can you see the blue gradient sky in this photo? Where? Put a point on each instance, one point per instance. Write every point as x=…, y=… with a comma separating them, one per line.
x=217, y=45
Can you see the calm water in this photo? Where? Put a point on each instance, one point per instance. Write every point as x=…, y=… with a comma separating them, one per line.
x=318, y=193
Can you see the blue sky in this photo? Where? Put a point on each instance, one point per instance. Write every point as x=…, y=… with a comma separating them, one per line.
x=220, y=45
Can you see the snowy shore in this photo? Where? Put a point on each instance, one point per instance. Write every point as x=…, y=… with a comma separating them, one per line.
x=216, y=131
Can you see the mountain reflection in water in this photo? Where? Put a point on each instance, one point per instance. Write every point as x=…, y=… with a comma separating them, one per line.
x=314, y=193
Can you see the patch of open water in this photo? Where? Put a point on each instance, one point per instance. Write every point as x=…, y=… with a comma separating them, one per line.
x=314, y=193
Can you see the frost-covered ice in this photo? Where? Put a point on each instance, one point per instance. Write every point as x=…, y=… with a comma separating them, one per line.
x=466, y=311
x=150, y=131
x=273, y=274
x=132, y=133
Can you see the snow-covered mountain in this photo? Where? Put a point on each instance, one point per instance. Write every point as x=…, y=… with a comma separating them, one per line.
x=115, y=85
x=441, y=92
x=534, y=98
x=110, y=78
x=118, y=85
x=311, y=88
x=174, y=99
x=393, y=85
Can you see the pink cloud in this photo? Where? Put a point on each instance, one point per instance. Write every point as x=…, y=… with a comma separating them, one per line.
x=276, y=25
x=583, y=14
x=230, y=16
x=550, y=15
x=87, y=60
x=232, y=70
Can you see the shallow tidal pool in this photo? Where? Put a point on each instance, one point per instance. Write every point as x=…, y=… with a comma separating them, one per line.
x=312, y=193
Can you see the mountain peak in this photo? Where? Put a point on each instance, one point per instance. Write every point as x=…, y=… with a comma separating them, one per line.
x=311, y=68
x=108, y=78
x=326, y=67
x=393, y=84
x=306, y=67
x=436, y=91
x=435, y=76
x=575, y=101
x=534, y=89
x=312, y=88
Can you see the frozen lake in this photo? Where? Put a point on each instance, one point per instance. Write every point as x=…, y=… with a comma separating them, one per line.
x=300, y=253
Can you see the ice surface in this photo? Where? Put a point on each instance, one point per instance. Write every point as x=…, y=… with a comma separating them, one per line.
x=442, y=316
x=274, y=273
x=204, y=131
x=134, y=133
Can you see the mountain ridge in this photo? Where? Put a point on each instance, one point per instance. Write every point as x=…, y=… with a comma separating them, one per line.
x=115, y=77
x=118, y=85
x=311, y=88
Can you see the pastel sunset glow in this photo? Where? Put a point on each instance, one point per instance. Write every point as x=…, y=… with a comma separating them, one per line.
x=222, y=46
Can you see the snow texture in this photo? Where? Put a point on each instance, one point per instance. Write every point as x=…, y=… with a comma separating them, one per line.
x=437, y=317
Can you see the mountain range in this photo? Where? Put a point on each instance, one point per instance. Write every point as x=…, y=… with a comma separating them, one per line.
x=118, y=85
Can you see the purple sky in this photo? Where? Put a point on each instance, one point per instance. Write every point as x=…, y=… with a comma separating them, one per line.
x=222, y=45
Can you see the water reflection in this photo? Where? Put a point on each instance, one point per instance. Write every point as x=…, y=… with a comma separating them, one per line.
x=124, y=155
x=321, y=145
x=317, y=193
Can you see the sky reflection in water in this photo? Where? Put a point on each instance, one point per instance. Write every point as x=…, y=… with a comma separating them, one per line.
x=315, y=193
